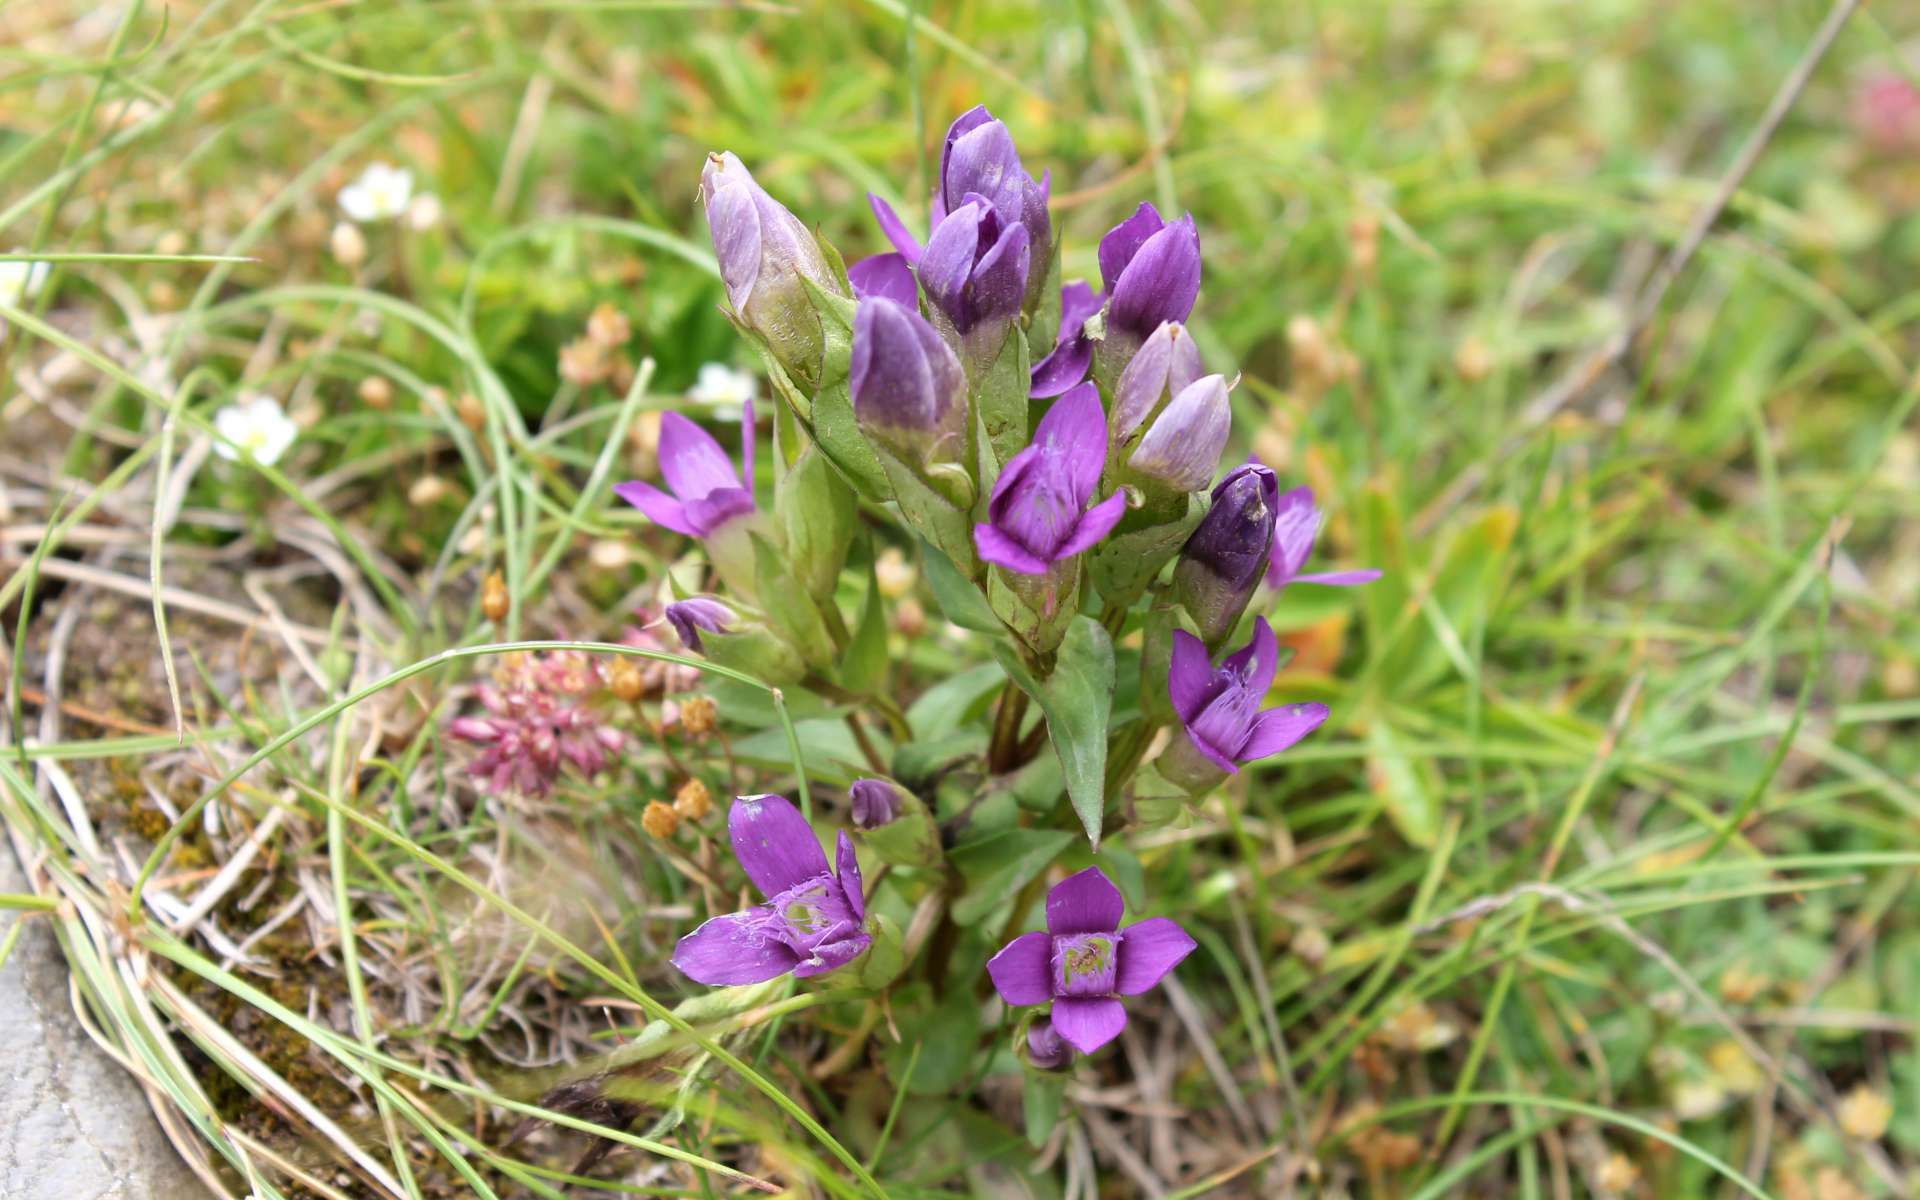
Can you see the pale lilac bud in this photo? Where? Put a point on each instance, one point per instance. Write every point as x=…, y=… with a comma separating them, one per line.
x=764, y=253
x=1183, y=445
x=1163, y=366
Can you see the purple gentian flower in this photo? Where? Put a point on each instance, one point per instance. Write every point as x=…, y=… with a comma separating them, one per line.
x=1085, y=962
x=1219, y=568
x=979, y=159
x=1152, y=273
x=975, y=267
x=1037, y=514
x=1072, y=348
x=689, y=617
x=1162, y=368
x=1182, y=446
x=813, y=921
x=1220, y=707
x=1295, y=529
x=765, y=254
x=888, y=275
x=909, y=390
x=707, y=492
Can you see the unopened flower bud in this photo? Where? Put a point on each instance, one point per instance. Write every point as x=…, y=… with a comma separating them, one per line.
x=975, y=270
x=690, y=617
x=874, y=802
x=909, y=391
x=1221, y=564
x=1152, y=273
x=659, y=820
x=693, y=801
x=894, y=823
x=609, y=327
x=765, y=254
x=1162, y=368
x=376, y=393
x=348, y=244
x=699, y=716
x=1181, y=448
x=1046, y=1049
x=494, y=598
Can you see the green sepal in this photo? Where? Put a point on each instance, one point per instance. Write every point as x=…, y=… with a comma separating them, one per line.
x=1000, y=398
x=1043, y=327
x=836, y=322
x=930, y=513
x=1127, y=560
x=863, y=668
x=816, y=513
x=910, y=839
x=1157, y=801
x=886, y=958
x=790, y=610
x=756, y=651
x=1037, y=608
x=840, y=439
x=958, y=599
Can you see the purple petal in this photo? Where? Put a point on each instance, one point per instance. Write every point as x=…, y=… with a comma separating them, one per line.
x=1078, y=303
x=1160, y=283
x=947, y=265
x=1088, y=1024
x=1256, y=662
x=1002, y=551
x=1023, y=970
x=660, y=507
x=1214, y=754
x=895, y=229
x=832, y=956
x=1341, y=578
x=692, y=462
x=1077, y=426
x=747, y=440
x=982, y=159
x=1062, y=369
x=1000, y=277
x=1190, y=682
x=712, y=510
x=1183, y=444
x=1124, y=240
x=734, y=221
x=1086, y=902
x=1148, y=950
x=886, y=275
x=1032, y=503
x=774, y=843
x=962, y=125
x=1095, y=524
x=848, y=866
x=1278, y=728
x=735, y=948
x=1296, y=525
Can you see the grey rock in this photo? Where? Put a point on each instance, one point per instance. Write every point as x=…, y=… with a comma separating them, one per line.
x=73, y=1124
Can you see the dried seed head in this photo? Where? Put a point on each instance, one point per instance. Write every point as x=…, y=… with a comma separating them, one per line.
x=627, y=681
x=1363, y=241
x=583, y=362
x=473, y=413
x=659, y=820
x=895, y=573
x=1865, y=1114
x=910, y=618
x=699, y=716
x=1473, y=359
x=348, y=244
x=1310, y=942
x=376, y=393
x=428, y=489
x=1617, y=1174
x=609, y=327
x=494, y=599
x=693, y=801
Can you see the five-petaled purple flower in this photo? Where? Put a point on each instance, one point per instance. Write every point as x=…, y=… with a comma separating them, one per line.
x=1296, y=527
x=1220, y=706
x=1037, y=514
x=707, y=491
x=1085, y=962
x=813, y=920
x=1072, y=348
x=1152, y=273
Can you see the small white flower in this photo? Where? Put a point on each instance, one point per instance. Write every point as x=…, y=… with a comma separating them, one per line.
x=725, y=388
x=256, y=424
x=22, y=281
x=380, y=194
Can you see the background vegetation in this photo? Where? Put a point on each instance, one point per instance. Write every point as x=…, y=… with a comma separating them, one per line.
x=1599, y=882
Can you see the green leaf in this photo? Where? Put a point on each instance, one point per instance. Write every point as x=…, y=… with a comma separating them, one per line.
x=958, y=598
x=863, y=668
x=1000, y=397
x=996, y=867
x=790, y=610
x=1077, y=699
x=947, y=705
x=1127, y=560
x=1410, y=795
x=945, y=1035
x=1040, y=1101
x=931, y=514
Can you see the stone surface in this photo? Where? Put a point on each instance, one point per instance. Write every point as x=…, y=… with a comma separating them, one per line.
x=73, y=1125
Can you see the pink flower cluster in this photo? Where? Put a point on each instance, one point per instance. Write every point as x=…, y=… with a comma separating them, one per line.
x=539, y=718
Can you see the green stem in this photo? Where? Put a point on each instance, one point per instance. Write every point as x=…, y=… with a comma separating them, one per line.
x=1003, y=752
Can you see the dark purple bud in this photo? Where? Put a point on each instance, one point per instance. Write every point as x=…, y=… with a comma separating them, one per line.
x=1152, y=273
x=1072, y=348
x=764, y=253
x=1037, y=514
x=887, y=275
x=1221, y=564
x=974, y=268
x=1183, y=445
x=1161, y=369
x=1220, y=707
x=875, y=802
x=909, y=391
x=689, y=617
x=979, y=159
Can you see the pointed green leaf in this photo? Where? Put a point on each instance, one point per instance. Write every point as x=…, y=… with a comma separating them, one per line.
x=1077, y=699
